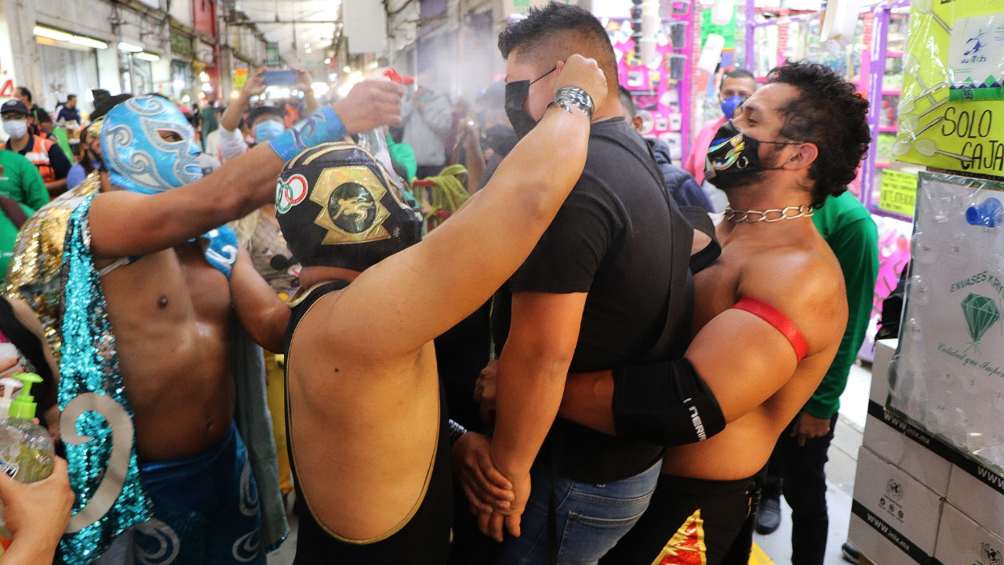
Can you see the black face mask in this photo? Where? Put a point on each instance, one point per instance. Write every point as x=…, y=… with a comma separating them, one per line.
x=516, y=93
x=734, y=158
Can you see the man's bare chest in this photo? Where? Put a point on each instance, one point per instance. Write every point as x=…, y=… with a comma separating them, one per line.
x=170, y=287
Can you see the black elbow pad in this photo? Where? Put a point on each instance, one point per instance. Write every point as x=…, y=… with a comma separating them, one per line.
x=666, y=403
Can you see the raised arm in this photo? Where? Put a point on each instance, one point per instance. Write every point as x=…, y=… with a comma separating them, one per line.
x=734, y=364
x=254, y=86
x=258, y=307
x=128, y=224
x=428, y=288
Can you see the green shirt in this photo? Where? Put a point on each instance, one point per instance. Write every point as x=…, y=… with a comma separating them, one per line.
x=21, y=181
x=8, y=236
x=849, y=230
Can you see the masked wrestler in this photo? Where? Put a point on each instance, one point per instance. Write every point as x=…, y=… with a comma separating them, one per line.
x=146, y=393
x=768, y=317
x=367, y=429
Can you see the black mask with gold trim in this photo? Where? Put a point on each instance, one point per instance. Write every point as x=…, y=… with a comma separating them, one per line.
x=338, y=207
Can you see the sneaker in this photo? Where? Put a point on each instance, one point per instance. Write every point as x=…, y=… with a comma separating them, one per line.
x=768, y=516
x=851, y=554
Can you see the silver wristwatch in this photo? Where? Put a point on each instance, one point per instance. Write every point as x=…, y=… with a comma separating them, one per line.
x=572, y=97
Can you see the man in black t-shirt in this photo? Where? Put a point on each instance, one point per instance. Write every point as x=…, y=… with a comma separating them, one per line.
x=593, y=294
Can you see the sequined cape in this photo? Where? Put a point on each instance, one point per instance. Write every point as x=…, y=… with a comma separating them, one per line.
x=96, y=421
x=33, y=275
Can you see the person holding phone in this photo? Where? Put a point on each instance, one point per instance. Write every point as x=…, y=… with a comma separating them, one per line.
x=264, y=121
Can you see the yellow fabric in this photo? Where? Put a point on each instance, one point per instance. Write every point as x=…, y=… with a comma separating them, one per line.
x=274, y=380
x=758, y=557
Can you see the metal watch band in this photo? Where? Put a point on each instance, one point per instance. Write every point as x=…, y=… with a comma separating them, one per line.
x=455, y=431
x=572, y=97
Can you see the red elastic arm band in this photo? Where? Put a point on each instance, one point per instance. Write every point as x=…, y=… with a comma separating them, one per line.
x=781, y=323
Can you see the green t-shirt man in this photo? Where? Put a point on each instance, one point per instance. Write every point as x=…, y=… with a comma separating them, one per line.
x=8, y=236
x=21, y=181
x=849, y=230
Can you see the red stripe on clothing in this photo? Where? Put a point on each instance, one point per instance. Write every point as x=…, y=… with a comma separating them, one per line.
x=781, y=323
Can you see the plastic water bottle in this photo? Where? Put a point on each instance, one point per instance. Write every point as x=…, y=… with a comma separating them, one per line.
x=26, y=451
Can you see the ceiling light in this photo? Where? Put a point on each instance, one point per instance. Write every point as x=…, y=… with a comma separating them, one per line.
x=346, y=69
x=147, y=56
x=129, y=47
x=57, y=35
x=327, y=60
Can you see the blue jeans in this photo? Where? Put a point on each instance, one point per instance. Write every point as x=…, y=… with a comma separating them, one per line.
x=590, y=518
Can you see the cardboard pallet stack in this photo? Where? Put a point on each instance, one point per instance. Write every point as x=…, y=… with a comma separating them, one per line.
x=916, y=499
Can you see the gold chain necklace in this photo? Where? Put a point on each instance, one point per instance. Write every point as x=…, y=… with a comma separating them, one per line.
x=769, y=216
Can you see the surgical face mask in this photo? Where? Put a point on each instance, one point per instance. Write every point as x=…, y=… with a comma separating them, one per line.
x=730, y=104
x=266, y=130
x=516, y=94
x=734, y=158
x=15, y=128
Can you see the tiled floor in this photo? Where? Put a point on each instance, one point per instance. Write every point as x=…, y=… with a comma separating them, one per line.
x=839, y=474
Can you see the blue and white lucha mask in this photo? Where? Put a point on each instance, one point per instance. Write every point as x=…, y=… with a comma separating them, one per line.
x=148, y=146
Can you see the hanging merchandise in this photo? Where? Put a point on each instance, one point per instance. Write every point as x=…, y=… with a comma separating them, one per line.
x=658, y=72
x=952, y=89
x=949, y=373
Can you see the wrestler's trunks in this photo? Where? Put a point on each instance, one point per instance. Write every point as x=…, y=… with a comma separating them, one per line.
x=691, y=522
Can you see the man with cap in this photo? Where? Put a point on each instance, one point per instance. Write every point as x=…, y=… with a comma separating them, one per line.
x=367, y=427
x=265, y=122
x=41, y=121
x=47, y=157
x=148, y=409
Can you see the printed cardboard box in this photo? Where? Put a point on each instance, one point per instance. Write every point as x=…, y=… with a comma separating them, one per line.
x=963, y=541
x=894, y=518
x=978, y=491
x=898, y=443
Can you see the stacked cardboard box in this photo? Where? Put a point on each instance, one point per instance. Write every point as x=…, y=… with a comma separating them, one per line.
x=916, y=499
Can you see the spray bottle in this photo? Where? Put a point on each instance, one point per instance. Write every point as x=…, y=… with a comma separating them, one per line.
x=26, y=452
x=375, y=140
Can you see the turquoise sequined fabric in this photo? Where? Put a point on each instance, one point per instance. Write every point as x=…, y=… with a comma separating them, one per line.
x=89, y=364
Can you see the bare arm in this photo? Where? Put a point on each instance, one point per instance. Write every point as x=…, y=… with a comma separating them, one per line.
x=56, y=187
x=758, y=360
x=29, y=319
x=532, y=369
x=124, y=223
x=303, y=80
x=254, y=86
x=460, y=264
x=261, y=312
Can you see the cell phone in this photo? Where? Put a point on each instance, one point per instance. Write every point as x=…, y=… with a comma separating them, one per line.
x=279, y=78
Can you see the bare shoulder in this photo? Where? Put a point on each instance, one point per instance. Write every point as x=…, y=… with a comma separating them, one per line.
x=806, y=284
x=325, y=333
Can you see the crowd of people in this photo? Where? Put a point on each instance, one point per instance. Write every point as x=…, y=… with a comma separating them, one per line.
x=596, y=356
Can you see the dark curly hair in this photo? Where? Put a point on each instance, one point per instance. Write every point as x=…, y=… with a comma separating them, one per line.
x=830, y=113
